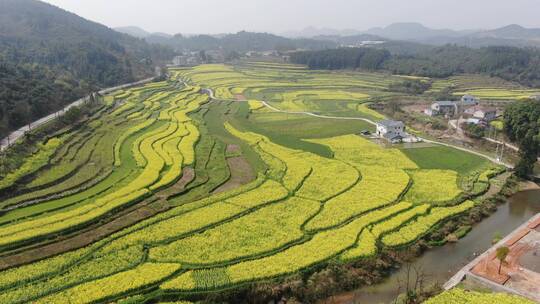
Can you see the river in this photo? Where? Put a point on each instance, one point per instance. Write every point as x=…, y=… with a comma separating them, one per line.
x=441, y=263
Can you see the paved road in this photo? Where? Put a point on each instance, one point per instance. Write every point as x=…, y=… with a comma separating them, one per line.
x=319, y=116
x=455, y=123
x=502, y=143
x=15, y=135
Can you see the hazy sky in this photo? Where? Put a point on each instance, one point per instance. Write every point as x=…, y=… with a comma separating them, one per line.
x=219, y=16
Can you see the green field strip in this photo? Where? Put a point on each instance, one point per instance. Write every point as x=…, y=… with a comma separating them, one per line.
x=33, y=163
x=98, y=267
x=62, y=170
x=99, y=162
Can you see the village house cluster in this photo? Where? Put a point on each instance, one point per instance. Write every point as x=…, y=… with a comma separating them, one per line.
x=468, y=107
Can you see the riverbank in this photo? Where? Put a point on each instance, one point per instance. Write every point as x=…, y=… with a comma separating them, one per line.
x=528, y=185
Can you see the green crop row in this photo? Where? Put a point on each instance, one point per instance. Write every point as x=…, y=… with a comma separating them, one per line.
x=33, y=163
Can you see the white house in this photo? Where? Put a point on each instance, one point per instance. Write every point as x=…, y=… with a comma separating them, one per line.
x=391, y=130
x=486, y=114
x=442, y=108
x=468, y=100
x=482, y=113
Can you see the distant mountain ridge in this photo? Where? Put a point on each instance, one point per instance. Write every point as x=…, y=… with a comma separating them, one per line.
x=512, y=31
x=138, y=32
x=413, y=31
x=238, y=42
x=510, y=35
x=311, y=32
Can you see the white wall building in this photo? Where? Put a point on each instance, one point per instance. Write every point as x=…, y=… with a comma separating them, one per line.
x=447, y=108
x=391, y=130
x=468, y=100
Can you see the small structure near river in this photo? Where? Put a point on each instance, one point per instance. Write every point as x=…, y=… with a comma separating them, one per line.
x=518, y=273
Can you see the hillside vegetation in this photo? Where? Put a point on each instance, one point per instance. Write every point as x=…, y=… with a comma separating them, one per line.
x=240, y=42
x=49, y=57
x=510, y=63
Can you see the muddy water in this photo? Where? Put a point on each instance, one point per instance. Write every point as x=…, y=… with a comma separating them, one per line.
x=442, y=262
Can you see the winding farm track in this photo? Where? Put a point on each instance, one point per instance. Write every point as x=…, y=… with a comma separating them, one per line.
x=15, y=135
x=509, y=166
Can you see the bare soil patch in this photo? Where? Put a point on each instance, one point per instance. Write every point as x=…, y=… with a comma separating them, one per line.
x=241, y=174
x=188, y=174
x=240, y=97
x=233, y=149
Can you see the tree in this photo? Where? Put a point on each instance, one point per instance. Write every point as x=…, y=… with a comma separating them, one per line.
x=413, y=283
x=522, y=125
x=473, y=130
x=342, y=58
x=502, y=253
x=72, y=115
x=202, y=55
x=411, y=86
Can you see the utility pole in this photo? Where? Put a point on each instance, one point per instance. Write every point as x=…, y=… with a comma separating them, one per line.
x=502, y=151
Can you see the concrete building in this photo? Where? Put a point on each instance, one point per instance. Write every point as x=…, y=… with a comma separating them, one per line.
x=486, y=114
x=446, y=108
x=391, y=130
x=187, y=59
x=482, y=113
x=468, y=101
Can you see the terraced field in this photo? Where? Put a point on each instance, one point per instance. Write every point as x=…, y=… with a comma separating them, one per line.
x=293, y=88
x=129, y=206
x=484, y=87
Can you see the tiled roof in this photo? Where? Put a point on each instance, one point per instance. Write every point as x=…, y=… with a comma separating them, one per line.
x=391, y=123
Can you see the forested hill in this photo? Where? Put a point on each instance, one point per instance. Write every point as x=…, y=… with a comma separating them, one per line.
x=240, y=42
x=515, y=64
x=50, y=57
